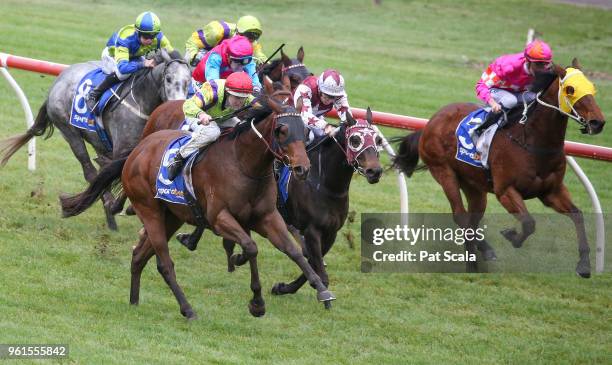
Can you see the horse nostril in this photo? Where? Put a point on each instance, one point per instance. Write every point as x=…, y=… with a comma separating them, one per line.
x=300, y=171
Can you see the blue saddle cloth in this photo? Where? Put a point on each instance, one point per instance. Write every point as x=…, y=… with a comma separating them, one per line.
x=466, y=148
x=283, y=183
x=83, y=118
x=174, y=191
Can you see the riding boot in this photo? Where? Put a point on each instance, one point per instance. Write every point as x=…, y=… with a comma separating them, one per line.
x=175, y=167
x=491, y=118
x=95, y=93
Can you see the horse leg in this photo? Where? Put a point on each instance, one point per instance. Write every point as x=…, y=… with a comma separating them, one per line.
x=477, y=204
x=327, y=241
x=512, y=200
x=140, y=256
x=157, y=229
x=229, y=245
x=447, y=178
x=274, y=228
x=77, y=145
x=561, y=202
x=312, y=244
x=227, y=226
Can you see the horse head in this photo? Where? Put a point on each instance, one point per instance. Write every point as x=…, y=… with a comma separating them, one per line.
x=171, y=74
x=573, y=96
x=289, y=132
x=293, y=70
x=361, y=147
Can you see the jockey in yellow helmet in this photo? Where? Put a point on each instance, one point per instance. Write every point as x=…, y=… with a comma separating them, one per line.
x=205, y=39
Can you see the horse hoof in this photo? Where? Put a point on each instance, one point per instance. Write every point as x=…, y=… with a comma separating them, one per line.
x=328, y=304
x=130, y=210
x=583, y=270
x=511, y=235
x=185, y=240
x=257, y=310
x=189, y=314
x=278, y=289
x=231, y=268
x=325, y=296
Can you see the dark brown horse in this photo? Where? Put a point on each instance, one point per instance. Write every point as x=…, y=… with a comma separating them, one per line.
x=318, y=206
x=526, y=160
x=290, y=71
x=234, y=187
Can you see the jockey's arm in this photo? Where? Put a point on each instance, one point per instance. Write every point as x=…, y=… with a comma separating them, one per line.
x=213, y=67
x=258, y=54
x=251, y=70
x=194, y=107
x=303, y=104
x=342, y=107
x=192, y=46
x=124, y=65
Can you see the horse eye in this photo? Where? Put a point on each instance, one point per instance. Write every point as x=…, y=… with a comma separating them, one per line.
x=378, y=140
x=355, y=141
x=168, y=79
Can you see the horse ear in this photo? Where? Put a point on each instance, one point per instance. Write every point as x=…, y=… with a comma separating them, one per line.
x=277, y=71
x=286, y=60
x=350, y=121
x=369, y=115
x=286, y=82
x=576, y=64
x=268, y=85
x=300, y=54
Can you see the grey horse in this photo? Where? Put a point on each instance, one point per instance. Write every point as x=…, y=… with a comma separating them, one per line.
x=123, y=121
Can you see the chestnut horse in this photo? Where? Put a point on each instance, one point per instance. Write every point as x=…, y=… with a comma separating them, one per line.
x=234, y=186
x=526, y=160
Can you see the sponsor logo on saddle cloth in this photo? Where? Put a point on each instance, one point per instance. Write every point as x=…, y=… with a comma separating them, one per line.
x=174, y=191
x=472, y=152
x=80, y=116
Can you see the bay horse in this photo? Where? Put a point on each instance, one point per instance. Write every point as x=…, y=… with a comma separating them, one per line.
x=141, y=94
x=526, y=160
x=318, y=206
x=234, y=186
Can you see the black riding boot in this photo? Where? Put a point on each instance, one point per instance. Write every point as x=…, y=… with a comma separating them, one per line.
x=491, y=118
x=175, y=167
x=95, y=93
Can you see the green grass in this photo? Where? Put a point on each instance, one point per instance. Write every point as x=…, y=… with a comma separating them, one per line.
x=67, y=281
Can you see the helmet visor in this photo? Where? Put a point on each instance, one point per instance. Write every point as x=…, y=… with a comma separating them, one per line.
x=241, y=61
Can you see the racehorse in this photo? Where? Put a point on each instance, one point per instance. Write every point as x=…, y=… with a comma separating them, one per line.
x=318, y=206
x=234, y=186
x=526, y=160
x=140, y=94
x=287, y=70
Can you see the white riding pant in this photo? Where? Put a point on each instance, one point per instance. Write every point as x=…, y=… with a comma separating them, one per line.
x=201, y=136
x=509, y=99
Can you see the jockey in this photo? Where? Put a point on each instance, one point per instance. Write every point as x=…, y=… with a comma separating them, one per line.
x=232, y=55
x=506, y=81
x=216, y=98
x=205, y=39
x=314, y=97
x=125, y=50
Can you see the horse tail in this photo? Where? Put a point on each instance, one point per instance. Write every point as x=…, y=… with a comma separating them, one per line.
x=42, y=124
x=77, y=204
x=407, y=156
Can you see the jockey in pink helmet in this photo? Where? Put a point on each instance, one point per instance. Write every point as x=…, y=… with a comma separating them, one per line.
x=506, y=81
x=314, y=97
x=232, y=55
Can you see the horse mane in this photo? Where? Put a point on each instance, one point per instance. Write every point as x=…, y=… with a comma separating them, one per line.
x=543, y=80
x=260, y=111
x=271, y=65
